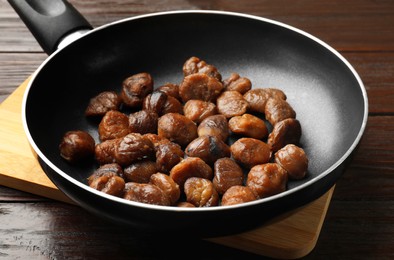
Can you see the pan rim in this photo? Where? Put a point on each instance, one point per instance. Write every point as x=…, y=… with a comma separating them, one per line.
x=286, y=193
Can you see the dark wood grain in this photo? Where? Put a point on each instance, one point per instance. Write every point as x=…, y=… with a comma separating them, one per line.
x=62, y=231
x=12, y=195
x=370, y=176
x=15, y=67
x=348, y=25
x=376, y=71
x=360, y=220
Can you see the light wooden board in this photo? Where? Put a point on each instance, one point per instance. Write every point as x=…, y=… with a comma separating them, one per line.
x=289, y=236
x=19, y=168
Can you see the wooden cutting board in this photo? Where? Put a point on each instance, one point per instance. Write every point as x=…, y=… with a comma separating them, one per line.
x=289, y=236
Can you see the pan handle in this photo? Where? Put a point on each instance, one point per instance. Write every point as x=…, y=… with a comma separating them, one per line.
x=50, y=20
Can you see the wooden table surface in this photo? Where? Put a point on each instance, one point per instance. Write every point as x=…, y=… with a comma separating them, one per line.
x=360, y=220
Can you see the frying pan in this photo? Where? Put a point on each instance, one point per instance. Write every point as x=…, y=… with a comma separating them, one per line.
x=322, y=87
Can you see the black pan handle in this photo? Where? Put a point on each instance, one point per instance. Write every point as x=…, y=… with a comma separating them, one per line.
x=50, y=20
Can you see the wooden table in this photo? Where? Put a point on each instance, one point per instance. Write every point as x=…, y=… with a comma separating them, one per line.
x=360, y=220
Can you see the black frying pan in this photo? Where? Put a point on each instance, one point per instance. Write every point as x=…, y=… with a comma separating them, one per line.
x=323, y=88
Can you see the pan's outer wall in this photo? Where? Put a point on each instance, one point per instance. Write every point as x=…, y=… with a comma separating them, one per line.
x=327, y=96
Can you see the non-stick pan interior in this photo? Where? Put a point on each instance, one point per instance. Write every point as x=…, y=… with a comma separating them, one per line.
x=322, y=89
